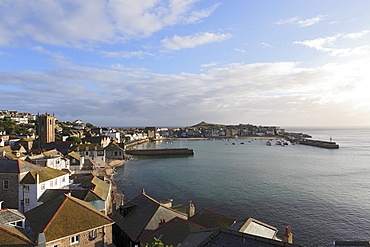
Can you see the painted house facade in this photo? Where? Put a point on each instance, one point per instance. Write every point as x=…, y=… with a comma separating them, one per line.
x=93, y=152
x=23, y=183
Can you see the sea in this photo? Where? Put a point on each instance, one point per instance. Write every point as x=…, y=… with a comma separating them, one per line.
x=323, y=194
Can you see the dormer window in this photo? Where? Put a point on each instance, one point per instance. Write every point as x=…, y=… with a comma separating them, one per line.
x=126, y=209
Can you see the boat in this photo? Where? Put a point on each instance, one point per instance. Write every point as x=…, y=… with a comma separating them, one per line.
x=268, y=143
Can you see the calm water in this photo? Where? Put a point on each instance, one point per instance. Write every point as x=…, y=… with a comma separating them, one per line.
x=322, y=194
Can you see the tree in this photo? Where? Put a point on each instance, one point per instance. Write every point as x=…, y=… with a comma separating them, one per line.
x=74, y=139
x=157, y=243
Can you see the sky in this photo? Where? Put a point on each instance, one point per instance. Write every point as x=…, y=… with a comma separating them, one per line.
x=179, y=62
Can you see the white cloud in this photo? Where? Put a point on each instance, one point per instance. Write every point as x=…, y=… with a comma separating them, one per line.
x=332, y=45
x=125, y=54
x=197, y=16
x=191, y=41
x=240, y=50
x=287, y=21
x=356, y=35
x=310, y=22
x=251, y=93
x=42, y=50
x=265, y=45
x=212, y=64
x=78, y=23
x=301, y=23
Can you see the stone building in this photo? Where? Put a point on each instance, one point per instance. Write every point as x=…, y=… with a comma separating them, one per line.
x=45, y=128
x=67, y=221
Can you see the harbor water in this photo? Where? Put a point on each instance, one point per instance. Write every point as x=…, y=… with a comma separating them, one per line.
x=323, y=194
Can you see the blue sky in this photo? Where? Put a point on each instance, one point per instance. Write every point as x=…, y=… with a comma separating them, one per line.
x=179, y=62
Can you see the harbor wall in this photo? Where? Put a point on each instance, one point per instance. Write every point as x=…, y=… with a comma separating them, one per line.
x=160, y=152
x=321, y=144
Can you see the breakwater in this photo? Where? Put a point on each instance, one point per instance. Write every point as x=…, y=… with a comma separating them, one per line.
x=136, y=142
x=160, y=152
x=321, y=144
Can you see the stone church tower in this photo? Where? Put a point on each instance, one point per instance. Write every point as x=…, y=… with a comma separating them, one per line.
x=45, y=128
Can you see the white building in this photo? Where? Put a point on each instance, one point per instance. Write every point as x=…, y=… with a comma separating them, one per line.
x=35, y=182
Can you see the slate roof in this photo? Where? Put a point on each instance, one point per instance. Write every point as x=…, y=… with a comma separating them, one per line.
x=25, y=139
x=45, y=174
x=15, y=155
x=17, y=166
x=60, y=146
x=11, y=236
x=100, y=187
x=6, y=149
x=221, y=237
x=141, y=210
x=75, y=155
x=86, y=147
x=65, y=216
x=51, y=194
x=10, y=215
x=35, y=157
x=210, y=219
x=172, y=232
x=88, y=165
x=51, y=153
x=255, y=227
x=113, y=146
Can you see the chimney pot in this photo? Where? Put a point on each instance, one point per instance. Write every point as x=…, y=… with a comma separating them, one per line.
x=287, y=230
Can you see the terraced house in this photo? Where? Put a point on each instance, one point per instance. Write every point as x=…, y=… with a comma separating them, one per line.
x=23, y=183
x=67, y=221
x=93, y=152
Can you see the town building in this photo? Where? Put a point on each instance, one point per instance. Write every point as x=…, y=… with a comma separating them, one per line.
x=114, y=152
x=23, y=183
x=91, y=151
x=45, y=128
x=52, y=158
x=140, y=216
x=67, y=221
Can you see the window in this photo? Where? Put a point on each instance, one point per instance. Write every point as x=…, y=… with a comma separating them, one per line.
x=63, y=179
x=26, y=188
x=75, y=239
x=87, y=153
x=5, y=184
x=42, y=186
x=51, y=183
x=92, y=234
x=27, y=201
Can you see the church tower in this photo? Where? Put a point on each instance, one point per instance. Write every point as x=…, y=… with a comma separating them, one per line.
x=45, y=128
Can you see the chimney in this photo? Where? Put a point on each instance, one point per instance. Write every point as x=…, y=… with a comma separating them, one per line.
x=288, y=236
x=143, y=191
x=41, y=240
x=191, y=209
x=37, y=178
